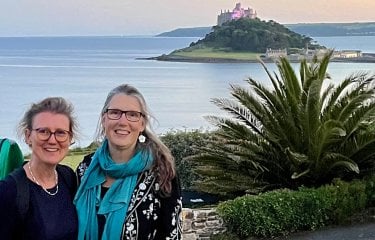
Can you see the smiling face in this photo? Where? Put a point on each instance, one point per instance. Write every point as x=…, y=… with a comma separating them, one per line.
x=48, y=151
x=122, y=134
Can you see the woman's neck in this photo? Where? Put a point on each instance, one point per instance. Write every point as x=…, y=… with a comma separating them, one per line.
x=41, y=173
x=121, y=155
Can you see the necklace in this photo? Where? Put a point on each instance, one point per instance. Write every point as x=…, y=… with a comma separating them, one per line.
x=36, y=181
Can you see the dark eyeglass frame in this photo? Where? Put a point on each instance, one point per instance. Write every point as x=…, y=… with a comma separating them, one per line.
x=42, y=136
x=128, y=114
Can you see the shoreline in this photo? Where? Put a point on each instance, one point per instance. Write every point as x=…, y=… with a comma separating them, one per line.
x=367, y=58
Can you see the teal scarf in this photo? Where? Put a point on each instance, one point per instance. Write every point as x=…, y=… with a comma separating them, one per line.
x=115, y=203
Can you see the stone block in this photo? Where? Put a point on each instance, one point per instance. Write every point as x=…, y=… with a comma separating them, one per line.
x=189, y=236
x=187, y=225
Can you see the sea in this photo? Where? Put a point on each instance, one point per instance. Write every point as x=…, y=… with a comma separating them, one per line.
x=84, y=69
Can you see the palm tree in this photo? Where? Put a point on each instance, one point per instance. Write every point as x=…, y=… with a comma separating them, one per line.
x=302, y=132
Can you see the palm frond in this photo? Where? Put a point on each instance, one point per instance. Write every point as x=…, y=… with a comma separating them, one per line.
x=290, y=80
x=299, y=131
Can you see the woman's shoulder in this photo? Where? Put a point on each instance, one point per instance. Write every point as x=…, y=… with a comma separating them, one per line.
x=150, y=178
x=10, y=203
x=64, y=168
x=66, y=171
x=8, y=188
x=87, y=159
x=84, y=164
x=68, y=176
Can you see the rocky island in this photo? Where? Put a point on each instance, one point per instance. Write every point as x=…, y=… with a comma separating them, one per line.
x=240, y=36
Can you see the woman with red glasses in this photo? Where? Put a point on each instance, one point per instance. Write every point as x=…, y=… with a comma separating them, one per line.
x=128, y=187
x=44, y=208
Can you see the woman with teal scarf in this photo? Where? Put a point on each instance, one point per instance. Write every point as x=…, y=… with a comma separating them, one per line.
x=128, y=187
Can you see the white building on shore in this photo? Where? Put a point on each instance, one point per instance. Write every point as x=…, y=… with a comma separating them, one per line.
x=276, y=53
x=347, y=54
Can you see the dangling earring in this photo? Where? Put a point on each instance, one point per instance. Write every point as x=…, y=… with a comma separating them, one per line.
x=28, y=143
x=141, y=138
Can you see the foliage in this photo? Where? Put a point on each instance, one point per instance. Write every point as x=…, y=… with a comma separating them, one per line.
x=281, y=212
x=85, y=150
x=253, y=35
x=370, y=190
x=349, y=199
x=183, y=144
x=304, y=131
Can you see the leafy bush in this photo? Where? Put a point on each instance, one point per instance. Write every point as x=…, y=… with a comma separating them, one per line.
x=281, y=212
x=183, y=144
x=370, y=190
x=349, y=199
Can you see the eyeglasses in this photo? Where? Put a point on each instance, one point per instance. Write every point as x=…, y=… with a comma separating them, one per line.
x=43, y=134
x=115, y=114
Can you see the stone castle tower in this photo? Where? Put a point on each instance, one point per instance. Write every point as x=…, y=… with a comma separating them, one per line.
x=237, y=13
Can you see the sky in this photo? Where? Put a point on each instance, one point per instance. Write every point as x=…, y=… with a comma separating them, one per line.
x=150, y=17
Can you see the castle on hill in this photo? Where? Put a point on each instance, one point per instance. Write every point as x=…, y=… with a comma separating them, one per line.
x=237, y=13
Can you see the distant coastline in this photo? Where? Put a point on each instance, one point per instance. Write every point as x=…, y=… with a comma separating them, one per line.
x=367, y=58
x=364, y=29
x=308, y=29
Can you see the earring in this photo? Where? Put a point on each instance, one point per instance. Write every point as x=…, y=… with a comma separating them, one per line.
x=141, y=138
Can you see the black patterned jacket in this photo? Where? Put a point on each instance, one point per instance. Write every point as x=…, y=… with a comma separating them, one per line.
x=149, y=215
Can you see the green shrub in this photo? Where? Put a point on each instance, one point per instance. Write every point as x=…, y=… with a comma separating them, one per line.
x=281, y=212
x=350, y=198
x=370, y=190
x=183, y=144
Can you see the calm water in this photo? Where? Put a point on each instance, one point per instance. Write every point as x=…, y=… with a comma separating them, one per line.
x=84, y=69
x=364, y=43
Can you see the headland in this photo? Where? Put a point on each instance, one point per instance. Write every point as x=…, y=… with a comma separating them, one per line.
x=240, y=37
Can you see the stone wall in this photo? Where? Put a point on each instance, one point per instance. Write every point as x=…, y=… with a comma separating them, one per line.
x=201, y=223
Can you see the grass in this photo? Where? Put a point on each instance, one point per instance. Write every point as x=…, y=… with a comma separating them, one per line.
x=73, y=160
x=215, y=53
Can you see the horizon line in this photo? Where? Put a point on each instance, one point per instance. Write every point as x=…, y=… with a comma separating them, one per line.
x=165, y=31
